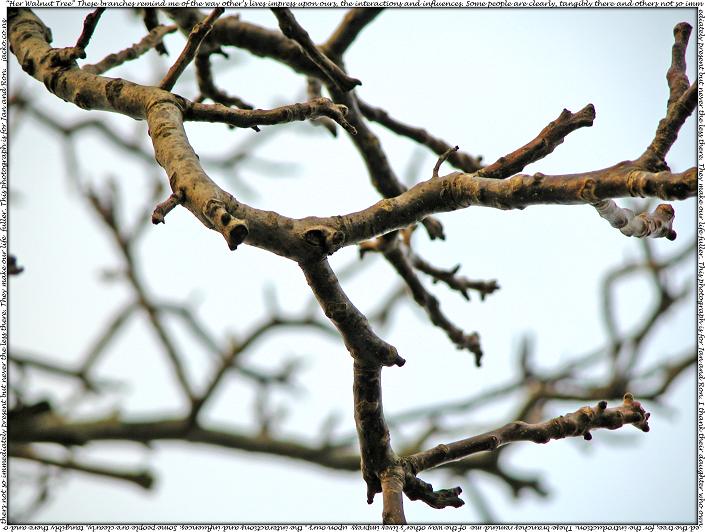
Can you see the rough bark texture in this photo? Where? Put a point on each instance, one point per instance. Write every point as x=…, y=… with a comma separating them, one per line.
x=308, y=241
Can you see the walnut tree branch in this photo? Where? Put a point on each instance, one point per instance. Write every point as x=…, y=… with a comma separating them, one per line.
x=143, y=479
x=354, y=21
x=293, y=30
x=546, y=141
x=195, y=38
x=578, y=423
x=89, y=24
x=461, y=160
x=152, y=40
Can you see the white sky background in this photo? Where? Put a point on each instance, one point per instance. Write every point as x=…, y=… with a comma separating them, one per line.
x=487, y=80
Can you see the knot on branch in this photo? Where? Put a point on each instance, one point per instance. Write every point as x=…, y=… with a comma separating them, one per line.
x=327, y=239
x=325, y=107
x=234, y=230
x=64, y=57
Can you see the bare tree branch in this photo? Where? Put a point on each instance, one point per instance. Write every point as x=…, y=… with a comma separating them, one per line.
x=293, y=30
x=152, y=40
x=197, y=35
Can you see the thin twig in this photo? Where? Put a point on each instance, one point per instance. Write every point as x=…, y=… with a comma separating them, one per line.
x=200, y=112
x=460, y=160
x=195, y=38
x=396, y=257
x=143, y=479
x=546, y=141
x=578, y=423
x=354, y=21
x=293, y=30
x=89, y=24
x=206, y=84
x=151, y=21
x=152, y=40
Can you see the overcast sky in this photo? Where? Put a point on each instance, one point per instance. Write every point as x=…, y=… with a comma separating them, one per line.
x=487, y=80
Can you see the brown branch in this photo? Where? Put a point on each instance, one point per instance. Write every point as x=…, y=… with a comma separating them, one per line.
x=143, y=479
x=442, y=194
x=293, y=30
x=376, y=453
x=668, y=128
x=457, y=191
x=578, y=423
x=199, y=32
x=444, y=156
x=452, y=280
x=165, y=207
x=229, y=361
x=23, y=359
x=199, y=112
x=354, y=21
x=89, y=24
x=179, y=429
x=417, y=489
x=313, y=91
x=682, y=101
x=677, y=79
x=670, y=371
x=151, y=21
x=105, y=208
x=546, y=141
x=106, y=336
x=396, y=257
x=152, y=40
x=13, y=268
x=362, y=343
x=206, y=84
x=460, y=160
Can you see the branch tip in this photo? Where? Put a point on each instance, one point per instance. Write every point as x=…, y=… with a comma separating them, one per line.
x=164, y=208
x=442, y=158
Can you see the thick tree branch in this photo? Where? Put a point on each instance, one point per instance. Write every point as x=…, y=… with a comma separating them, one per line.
x=363, y=344
x=377, y=455
x=458, y=190
x=150, y=430
x=668, y=128
x=392, y=480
